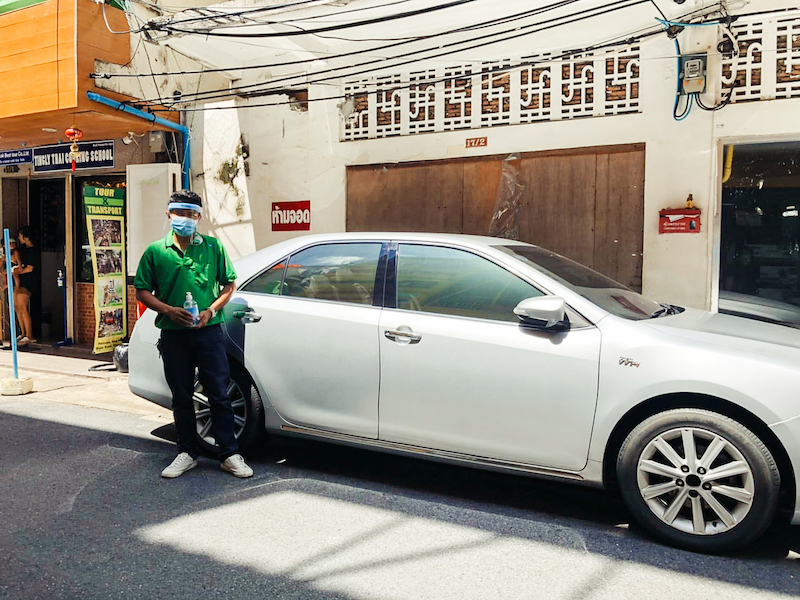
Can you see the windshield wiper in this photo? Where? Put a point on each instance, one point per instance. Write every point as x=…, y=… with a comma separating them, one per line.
x=665, y=310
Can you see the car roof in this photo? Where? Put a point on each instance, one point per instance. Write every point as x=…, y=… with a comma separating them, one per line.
x=410, y=235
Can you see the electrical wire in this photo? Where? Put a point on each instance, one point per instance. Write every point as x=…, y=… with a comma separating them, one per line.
x=239, y=13
x=661, y=12
x=679, y=24
x=689, y=98
x=688, y=109
x=108, y=26
x=373, y=21
x=546, y=8
x=341, y=55
x=504, y=69
x=722, y=104
x=483, y=25
x=605, y=9
x=408, y=38
x=344, y=12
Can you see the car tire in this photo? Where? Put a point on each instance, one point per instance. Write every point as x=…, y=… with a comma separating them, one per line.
x=691, y=503
x=248, y=413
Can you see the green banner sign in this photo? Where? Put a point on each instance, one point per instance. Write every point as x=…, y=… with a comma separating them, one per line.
x=105, y=222
x=9, y=5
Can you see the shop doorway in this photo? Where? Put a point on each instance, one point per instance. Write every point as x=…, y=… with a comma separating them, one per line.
x=760, y=234
x=15, y=214
x=47, y=217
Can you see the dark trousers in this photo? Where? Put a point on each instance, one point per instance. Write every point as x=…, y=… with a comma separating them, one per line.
x=183, y=351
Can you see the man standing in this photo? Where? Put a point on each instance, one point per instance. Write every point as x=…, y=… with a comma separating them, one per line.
x=185, y=261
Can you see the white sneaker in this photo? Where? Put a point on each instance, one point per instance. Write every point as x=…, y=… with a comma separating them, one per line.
x=182, y=463
x=236, y=466
x=23, y=341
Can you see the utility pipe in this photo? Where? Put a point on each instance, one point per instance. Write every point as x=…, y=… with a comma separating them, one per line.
x=10, y=288
x=726, y=171
x=153, y=119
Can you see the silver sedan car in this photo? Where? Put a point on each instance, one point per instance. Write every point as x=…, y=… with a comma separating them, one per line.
x=498, y=354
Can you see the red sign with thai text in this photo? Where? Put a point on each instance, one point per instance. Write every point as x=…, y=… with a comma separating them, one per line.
x=291, y=216
x=679, y=220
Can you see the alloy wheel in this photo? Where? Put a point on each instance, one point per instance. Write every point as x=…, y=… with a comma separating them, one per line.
x=695, y=481
x=202, y=411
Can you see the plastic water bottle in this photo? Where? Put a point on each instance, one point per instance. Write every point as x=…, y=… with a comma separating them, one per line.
x=191, y=306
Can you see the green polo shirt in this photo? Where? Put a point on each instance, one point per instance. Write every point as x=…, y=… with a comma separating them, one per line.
x=169, y=273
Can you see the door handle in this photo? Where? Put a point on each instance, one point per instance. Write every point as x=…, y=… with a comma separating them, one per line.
x=402, y=336
x=247, y=315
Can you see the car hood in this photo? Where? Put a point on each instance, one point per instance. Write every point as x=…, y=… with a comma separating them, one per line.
x=734, y=332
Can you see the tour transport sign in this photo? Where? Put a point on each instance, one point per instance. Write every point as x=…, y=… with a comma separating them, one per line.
x=105, y=222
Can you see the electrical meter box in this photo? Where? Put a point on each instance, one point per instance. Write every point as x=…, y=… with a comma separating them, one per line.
x=693, y=73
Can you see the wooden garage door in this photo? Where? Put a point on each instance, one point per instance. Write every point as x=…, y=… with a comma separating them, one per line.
x=586, y=204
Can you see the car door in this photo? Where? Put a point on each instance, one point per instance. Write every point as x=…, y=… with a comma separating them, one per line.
x=311, y=336
x=459, y=373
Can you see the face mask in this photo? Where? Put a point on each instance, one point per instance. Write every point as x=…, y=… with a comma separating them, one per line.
x=183, y=226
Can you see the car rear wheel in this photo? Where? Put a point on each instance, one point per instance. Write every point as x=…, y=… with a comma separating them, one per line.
x=248, y=412
x=698, y=480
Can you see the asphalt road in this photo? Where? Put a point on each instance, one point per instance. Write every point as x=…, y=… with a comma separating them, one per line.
x=85, y=514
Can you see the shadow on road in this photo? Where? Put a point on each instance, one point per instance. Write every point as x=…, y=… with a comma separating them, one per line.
x=87, y=515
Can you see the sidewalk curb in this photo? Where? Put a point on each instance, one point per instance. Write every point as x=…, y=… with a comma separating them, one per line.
x=110, y=377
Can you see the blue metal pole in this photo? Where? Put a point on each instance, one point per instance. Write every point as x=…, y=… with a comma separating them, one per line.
x=153, y=119
x=10, y=281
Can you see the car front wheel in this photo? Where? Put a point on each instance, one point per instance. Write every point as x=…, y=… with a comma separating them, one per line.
x=248, y=412
x=698, y=480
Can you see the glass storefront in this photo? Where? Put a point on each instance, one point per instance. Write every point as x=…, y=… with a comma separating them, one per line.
x=760, y=236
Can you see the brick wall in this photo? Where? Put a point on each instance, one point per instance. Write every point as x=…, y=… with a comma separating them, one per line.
x=84, y=312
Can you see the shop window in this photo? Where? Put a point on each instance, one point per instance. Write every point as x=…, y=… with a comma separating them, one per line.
x=760, y=237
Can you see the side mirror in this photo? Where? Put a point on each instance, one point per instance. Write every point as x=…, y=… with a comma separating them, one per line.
x=543, y=312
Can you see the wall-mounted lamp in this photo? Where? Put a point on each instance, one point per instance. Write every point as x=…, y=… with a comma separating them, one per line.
x=131, y=138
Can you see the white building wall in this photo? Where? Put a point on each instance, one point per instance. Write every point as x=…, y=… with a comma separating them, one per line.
x=298, y=155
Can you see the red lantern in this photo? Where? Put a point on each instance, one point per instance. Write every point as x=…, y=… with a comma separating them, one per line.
x=73, y=134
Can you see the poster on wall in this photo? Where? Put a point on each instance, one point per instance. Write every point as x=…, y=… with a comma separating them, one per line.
x=105, y=222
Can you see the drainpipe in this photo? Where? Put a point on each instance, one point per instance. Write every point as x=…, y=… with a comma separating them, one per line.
x=153, y=119
x=726, y=171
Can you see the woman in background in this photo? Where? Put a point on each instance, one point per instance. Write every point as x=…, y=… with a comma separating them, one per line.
x=28, y=273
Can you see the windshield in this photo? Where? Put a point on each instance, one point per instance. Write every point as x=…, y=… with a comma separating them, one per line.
x=603, y=291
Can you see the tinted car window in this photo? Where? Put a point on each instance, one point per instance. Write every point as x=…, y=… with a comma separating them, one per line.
x=455, y=282
x=269, y=282
x=338, y=272
x=603, y=291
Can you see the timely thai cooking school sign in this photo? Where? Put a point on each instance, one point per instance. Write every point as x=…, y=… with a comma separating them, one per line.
x=91, y=155
x=105, y=223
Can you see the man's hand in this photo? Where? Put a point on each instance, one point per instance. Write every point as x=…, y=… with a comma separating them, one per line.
x=180, y=316
x=205, y=317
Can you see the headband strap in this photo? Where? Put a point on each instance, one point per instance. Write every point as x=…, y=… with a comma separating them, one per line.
x=184, y=205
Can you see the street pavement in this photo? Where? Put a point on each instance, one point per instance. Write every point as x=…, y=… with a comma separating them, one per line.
x=85, y=514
